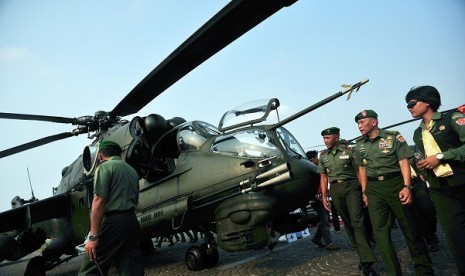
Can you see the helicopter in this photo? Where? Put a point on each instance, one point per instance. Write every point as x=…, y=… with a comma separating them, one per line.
x=261, y=174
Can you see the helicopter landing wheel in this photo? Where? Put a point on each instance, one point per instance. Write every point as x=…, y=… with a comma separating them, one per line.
x=35, y=266
x=211, y=255
x=195, y=258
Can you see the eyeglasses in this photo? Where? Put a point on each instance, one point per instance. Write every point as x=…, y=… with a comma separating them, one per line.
x=411, y=104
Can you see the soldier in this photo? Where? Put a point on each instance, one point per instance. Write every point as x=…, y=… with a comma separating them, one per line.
x=114, y=228
x=336, y=165
x=441, y=140
x=384, y=174
x=322, y=231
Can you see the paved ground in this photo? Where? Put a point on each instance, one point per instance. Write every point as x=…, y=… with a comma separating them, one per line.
x=299, y=258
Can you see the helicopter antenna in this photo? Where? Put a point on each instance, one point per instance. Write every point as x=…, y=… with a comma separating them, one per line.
x=30, y=184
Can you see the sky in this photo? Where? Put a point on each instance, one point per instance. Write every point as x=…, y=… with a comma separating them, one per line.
x=73, y=58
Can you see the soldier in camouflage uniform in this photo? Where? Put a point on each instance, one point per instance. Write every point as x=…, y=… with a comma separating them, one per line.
x=382, y=157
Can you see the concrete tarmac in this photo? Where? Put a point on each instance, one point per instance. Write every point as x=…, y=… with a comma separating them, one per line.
x=301, y=257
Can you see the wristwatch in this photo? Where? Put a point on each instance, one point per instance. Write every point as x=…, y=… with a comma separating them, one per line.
x=440, y=157
x=93, y=237
x=409, y=186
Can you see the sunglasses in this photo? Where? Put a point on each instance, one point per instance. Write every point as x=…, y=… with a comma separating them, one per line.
x=411, y=104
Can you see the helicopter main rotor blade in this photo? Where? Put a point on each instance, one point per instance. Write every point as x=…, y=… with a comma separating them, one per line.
x=235, y=19
x=35, y=143
x=31, y=117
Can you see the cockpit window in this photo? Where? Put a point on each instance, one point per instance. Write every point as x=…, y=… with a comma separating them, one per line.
x=291, y=145
x=192, y=135
x=248, y=144
x=207, y=128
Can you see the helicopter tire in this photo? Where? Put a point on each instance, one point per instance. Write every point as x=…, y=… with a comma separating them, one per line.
x=35, y=266
x=195, y=258
x=211, y=255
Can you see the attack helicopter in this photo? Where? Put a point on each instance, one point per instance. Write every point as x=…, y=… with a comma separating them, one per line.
x=260, y=170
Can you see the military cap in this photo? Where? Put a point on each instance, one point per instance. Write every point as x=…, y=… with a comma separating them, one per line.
x=329, y=131
x=106, y=144
x=366, y=114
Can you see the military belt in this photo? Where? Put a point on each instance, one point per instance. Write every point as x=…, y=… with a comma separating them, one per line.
x=119, y=212
x=383, y=177
x=341, y=180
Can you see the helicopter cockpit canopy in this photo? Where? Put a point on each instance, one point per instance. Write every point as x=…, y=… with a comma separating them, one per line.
x=248, y=114
x=192, y=135
x=248, y=144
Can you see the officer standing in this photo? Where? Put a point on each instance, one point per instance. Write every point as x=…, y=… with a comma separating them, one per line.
x=337, y=166
x=384, y=171
x=441, y=140
x=322, y=231
x=114, y=228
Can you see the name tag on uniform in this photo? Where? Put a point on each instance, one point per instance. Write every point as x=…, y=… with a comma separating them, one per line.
x=385, y=145
x=344, y=157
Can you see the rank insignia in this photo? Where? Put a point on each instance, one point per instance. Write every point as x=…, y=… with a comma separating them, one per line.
x=400, y=138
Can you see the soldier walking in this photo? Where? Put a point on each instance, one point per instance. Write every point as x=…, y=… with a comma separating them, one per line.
x=337, y=166
x=384, y=171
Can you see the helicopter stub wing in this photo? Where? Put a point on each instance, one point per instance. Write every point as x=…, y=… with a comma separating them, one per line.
x=231, y=22
x=23, y=217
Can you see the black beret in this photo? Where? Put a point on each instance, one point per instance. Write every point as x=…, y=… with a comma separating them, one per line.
x=366, y=114
x=329, y=131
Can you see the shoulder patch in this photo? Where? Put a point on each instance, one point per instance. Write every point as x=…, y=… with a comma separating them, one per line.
x=323, y=151
x=460, y=121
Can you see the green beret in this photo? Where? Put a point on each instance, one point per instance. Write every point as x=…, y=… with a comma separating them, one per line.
x=366, y=114
x=329, y=131
x=106, y=144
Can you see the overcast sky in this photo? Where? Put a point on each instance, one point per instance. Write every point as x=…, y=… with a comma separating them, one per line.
x=72, y=58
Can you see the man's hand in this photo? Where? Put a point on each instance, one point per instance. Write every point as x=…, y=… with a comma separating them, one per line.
x=90, y=249
x=405, y=196
x=428, y=163
x=327, y=204
x=365, y=200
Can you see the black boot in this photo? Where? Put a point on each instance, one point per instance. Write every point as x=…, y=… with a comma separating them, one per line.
x=367, y=268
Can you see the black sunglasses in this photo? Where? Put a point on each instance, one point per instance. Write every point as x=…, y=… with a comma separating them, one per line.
x=411, y=104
